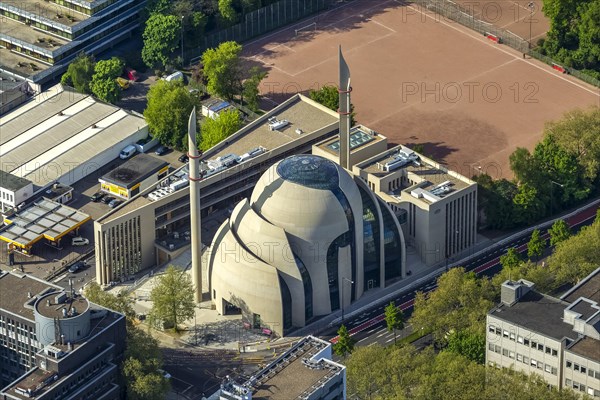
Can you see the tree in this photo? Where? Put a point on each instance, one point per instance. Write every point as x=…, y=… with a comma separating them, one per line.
x=213, y=131
x=573, y=35
x=109, y=69
x=511, y=259
x=536, y=245
x=577, y=133
x=167, y=113
x=345, y=344
x=559, y=232
x=172, y=298
x=329, y=97
x=251, y=93
x=161, y=39
x=104, y=85
x=525, y=167
x=459, y=302
x=394, y=318
x=528, y=206
x=79, y=74
x=227, y=11
x=575, y=258
x=468, y=344
x=365, y=382
x=120, y=303
x=223, y=71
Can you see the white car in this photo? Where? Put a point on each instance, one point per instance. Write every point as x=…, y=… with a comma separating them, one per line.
x=80, y=241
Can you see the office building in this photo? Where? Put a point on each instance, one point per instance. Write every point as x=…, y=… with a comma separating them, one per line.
x=39, y=39
x=558, y=339
x=55, y=344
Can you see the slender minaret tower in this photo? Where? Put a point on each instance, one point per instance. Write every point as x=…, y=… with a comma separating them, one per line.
x=196, y=227
x=344, y=110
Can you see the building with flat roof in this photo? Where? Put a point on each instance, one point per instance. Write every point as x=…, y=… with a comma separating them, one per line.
x=39, y=39
x=56, y=344
x=62, y=136
x=558, y=339
x=134, y=176
x=13, y=190
x=146, y=222
x=305, y=372
x=13, y=92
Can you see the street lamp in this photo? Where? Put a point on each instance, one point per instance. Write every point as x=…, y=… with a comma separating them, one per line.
x=182, y=41
x=344, y=280
x=552, y=194
x=531, y=7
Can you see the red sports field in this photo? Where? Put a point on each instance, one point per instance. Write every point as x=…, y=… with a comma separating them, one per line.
x=419, y=78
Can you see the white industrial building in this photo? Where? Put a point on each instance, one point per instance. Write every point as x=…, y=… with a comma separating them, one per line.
x=62, y=136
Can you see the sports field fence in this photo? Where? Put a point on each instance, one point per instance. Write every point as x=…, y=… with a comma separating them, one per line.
x=465, y=17
x=263, y=20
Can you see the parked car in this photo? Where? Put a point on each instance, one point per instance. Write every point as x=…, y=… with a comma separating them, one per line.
x=79, y=241
x=123, y=83
x=183, y=158
x=131, y=74
x=162, y=150
x=97, y=196
x=114, y=203
x=76, y=267
x=107, y=199
x=175, y=76
x=127, y=152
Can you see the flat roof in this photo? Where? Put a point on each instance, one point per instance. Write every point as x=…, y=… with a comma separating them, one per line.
x=588, y=288
x=424, y=173
x=585, y=307
x=43, y=219
x=302, y=113
x=36, y=37
x=59, y=130
x=537, y=313
x=586, y=347
x=20, y=64
x=359, y=136
x=134, y=170
x=55, y=311
x=12, y=182
x=15, y=289
x=51, y=11
x=294, y=373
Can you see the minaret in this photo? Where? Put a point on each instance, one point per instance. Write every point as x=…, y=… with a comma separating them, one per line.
x=196, y=228
x=344, y=110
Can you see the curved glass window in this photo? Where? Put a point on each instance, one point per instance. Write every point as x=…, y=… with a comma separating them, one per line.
x=332, y=268
x=392, y=244
x=371, y=241
x=351, y=236
x=310, y=171
x=308, y=291
x=286, y=298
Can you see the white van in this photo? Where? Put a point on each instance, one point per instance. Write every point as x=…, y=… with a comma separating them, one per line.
x=127, y=152
x=175, y=76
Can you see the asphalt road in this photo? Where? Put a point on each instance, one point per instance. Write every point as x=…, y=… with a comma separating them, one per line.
x=369, y=327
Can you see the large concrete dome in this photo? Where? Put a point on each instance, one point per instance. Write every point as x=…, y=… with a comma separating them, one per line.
x=297, y=248
x=308, y=196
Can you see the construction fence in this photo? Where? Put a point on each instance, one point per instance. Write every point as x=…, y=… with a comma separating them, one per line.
x=263, y=20
x=452, y=11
